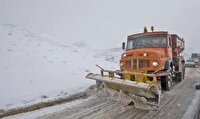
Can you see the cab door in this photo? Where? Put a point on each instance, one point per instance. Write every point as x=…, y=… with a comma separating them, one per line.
x=169, y=47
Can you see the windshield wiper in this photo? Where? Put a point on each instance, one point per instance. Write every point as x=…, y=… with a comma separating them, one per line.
x=135, y=45
x=149, y=45
x=152, y=45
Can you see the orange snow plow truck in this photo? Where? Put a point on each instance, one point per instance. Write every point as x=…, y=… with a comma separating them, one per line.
x=151, y=62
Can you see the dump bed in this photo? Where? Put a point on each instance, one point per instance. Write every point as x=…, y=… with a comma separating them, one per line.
x=178, y=45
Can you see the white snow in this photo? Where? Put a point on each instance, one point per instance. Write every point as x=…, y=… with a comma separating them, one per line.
x=32, y=66
x=48, y=110
x=193, y=108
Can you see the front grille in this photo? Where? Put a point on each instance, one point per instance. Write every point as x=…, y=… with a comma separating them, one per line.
x=144, y=64
x=128, y=64
x=134, y=64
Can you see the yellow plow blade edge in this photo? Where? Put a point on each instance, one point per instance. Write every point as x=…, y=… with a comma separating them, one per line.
x=131, y=87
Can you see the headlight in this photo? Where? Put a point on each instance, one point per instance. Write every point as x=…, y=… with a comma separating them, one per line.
x=155, y=64
x=145, y=54
x=124, y=55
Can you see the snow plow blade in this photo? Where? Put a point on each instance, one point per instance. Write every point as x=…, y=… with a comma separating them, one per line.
x=149, y=91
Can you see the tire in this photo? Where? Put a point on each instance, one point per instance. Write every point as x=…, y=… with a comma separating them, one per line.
x=180, y=76
x=167, y=82
x=184, y=73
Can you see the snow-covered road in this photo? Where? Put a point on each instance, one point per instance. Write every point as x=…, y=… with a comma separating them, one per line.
x=173, y=105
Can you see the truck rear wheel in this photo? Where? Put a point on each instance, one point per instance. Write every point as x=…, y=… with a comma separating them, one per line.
x=180, y=76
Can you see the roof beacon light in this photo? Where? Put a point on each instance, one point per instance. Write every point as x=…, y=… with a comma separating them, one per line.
x=152, y=28
x=145, y=29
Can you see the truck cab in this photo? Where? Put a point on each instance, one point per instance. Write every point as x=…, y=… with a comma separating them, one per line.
x=153, y=52
x=146, y=51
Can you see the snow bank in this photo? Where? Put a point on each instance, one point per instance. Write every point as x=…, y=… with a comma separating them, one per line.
x=35, y=68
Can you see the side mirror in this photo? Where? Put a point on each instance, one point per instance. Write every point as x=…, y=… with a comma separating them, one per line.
x=123, y=45
x=197, y=87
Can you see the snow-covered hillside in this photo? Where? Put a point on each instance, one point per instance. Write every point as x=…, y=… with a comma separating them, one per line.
x=34, y=67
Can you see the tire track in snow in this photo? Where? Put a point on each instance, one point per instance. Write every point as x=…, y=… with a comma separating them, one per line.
x=173, y=105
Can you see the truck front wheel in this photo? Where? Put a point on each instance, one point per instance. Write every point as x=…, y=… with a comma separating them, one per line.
x=167, y=82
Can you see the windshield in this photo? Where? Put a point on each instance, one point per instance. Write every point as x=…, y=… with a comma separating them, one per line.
x=147, y=41
x=190, y=60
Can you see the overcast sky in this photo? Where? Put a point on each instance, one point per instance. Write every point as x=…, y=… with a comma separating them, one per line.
x=105, y=23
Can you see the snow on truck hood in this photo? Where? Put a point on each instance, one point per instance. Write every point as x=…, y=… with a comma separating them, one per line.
x=150, y=52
